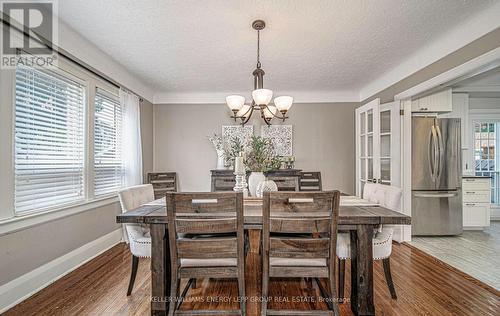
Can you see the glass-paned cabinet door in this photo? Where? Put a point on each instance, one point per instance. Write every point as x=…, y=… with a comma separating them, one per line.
x=367, y=118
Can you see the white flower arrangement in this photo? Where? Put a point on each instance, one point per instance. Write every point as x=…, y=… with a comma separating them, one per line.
x=216, y=141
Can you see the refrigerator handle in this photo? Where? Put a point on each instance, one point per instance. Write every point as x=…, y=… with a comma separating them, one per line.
x=436, y=195
x=440, y=153
x=432, y=153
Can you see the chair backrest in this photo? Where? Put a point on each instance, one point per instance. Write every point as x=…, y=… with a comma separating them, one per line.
x=135, y=196
x=163, y=182
x=304, y=213
x=385, y=195
x=198, y=214
x=310, y=181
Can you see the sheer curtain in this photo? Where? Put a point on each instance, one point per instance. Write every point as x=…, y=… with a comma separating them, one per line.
x=131, y=142
x=131, y=139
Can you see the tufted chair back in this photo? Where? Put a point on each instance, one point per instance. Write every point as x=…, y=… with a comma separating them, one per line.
x=135, y=196
x=137, y=235
x=385, y=195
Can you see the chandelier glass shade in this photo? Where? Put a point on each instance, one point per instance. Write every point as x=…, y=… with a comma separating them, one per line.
x=261, y=98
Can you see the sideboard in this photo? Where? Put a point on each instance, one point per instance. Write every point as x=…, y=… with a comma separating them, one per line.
x=286, y=179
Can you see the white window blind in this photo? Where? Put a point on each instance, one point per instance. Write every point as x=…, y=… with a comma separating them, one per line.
x=108, y=169
x=49, y=140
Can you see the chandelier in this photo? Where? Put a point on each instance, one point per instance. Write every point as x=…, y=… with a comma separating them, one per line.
x=261, y=97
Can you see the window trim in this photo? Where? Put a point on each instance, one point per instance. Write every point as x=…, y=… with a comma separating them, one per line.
x=9, y=220
x=30, y=219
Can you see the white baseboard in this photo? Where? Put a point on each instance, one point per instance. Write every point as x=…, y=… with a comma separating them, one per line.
x=21, y=288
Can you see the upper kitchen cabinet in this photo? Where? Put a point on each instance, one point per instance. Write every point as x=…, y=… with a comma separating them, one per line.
x=377, y=144
x=436, y=102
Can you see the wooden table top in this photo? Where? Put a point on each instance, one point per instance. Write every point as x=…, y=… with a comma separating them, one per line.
x=353, y=211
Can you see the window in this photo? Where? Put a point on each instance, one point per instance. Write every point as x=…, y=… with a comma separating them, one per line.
x=49, y=140
x=486, y=155
x=108, y=170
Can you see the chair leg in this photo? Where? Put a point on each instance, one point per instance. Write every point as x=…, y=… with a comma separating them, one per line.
x=333, y=288
x=341, y=280
x=133, y=273
x=388, y=277
x=265, y=289
x=174, y=286
x=241, y=291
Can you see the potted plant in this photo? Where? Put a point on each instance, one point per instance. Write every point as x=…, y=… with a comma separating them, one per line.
x=261, y=158
x=232, y=149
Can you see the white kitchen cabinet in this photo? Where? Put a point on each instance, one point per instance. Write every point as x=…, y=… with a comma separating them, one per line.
x=476, y=201
x=377, y=144
x=436, y=102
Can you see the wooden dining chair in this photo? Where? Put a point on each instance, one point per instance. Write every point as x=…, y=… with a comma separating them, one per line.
x=163, y=182
x=299, y=241
x=206, y=241
x=310, y=181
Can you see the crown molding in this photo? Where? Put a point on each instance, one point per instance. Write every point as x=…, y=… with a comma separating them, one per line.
x=467, y=31
x=220, y=97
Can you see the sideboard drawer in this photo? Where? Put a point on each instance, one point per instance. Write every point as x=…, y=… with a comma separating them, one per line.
x=224, y=183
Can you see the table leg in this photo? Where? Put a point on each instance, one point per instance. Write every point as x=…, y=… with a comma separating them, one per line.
x=362, y=270
x=160, y=269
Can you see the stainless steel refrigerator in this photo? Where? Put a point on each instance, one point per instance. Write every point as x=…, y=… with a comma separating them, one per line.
x=436, y=176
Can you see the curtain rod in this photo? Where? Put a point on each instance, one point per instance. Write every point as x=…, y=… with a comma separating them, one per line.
x=6, y=20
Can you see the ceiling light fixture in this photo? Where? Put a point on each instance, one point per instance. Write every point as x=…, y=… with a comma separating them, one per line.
x=260, y=97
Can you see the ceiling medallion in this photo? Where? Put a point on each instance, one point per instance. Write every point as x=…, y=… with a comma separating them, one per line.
x=261, y=97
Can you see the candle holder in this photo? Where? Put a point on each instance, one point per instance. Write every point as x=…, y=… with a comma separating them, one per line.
x=241, y=183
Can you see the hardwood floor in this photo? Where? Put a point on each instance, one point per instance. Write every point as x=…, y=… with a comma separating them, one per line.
x=424, y=285
x=476, y=253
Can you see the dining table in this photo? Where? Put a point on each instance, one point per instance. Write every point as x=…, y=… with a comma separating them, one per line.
x=357, y=216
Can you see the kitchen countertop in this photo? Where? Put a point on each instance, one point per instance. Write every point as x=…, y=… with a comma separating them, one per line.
x=472, y=176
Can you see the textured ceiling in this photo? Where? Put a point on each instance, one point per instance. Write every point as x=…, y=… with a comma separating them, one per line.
x=316, y=45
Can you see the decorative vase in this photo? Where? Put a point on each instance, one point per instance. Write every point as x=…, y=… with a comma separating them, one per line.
x=265, y=186
x=220, y=160
x=253, y=181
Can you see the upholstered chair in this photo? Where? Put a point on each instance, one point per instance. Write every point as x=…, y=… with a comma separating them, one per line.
x=137, y=235
x=386, y=196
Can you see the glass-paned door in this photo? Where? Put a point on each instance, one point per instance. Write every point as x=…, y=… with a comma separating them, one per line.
x=377, y=144
x=367, y=144
x=389, y=126
x=486, y=154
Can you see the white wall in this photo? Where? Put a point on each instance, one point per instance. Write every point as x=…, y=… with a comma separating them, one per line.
x=80, y=47
x=484, y=103
x=323, y=140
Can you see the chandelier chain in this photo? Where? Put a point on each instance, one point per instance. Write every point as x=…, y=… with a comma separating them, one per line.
x=258, y=50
